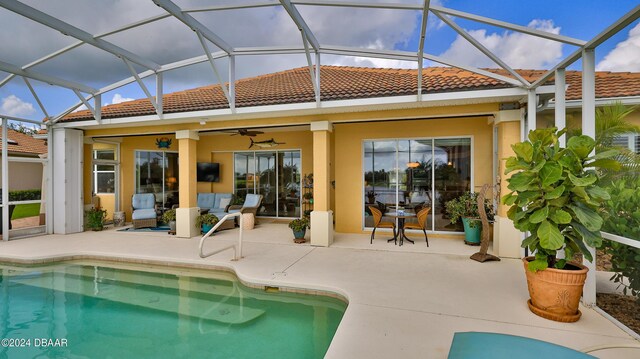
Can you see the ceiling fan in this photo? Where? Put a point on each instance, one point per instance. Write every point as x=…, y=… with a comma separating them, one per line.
x=245, y=132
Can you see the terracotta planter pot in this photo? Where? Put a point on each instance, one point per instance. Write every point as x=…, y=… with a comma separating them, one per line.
x=555, y=293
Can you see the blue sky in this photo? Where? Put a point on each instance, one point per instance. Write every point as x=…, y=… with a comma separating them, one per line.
x=24, y=41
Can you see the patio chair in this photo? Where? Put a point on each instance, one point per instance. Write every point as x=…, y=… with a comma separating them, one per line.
x=144, y=214
x=251, y=204
x=422, y=216
x=379, y=223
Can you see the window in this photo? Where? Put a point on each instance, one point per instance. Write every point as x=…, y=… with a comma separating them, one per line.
x=414, y=173
x=630, y=141
x=157, y=172
x=104, y=175
x=273, y=174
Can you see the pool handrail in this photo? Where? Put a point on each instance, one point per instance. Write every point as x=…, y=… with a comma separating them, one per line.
x=237, y=251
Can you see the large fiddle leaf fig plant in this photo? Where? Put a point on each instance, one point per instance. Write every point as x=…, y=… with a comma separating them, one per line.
x=555, y=196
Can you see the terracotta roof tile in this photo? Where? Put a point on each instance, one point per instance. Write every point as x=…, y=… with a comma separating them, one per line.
x=343, y=83
x=19, y=142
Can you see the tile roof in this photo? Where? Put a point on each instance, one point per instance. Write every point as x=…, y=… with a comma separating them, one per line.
x=19, y=142
x=343, y=83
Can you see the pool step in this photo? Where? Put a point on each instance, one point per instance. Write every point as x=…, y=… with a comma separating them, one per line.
x=226, y=310
x=162, y=280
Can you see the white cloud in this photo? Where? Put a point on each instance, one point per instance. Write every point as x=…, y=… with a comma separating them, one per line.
x=12, y=105
x=515, y=49
x=117, y=98
x=625, y=56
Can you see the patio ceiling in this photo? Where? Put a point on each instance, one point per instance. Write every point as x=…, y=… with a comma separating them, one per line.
x=214, y=46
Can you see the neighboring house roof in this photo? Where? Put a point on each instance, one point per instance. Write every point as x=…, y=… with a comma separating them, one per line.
x=20, y=143
x=344, y=83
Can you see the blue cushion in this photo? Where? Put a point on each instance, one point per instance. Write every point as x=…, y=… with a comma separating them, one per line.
x=143, y=214
x=221, y=214
x=252, y=200
x=143, y=201
x=206, y=200
x=479, y=345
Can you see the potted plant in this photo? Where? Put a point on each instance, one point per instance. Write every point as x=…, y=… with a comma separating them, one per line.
x=206, y=222
x=299, y=227
x=556, y=201
x=308, y=196
x=95, y=218
x=465, y=208
x=169, y=217
x=371, y=197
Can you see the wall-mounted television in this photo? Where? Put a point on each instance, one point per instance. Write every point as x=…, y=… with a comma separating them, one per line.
x=208, y=172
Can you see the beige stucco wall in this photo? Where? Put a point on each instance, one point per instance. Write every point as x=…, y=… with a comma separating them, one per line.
x=23, y=176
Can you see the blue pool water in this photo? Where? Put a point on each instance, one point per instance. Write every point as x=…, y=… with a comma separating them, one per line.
x=93, y=311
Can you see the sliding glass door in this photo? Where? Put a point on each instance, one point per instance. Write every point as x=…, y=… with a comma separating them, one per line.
x=275, y=175
x=157, y=173
x=416, y=173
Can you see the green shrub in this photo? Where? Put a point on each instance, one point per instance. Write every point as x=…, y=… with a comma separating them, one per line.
x=25, y=195
x=624, y=220
x=95, y=218
x=299, y=225
x=208, y=218
x=169, y=215
x=466, y=206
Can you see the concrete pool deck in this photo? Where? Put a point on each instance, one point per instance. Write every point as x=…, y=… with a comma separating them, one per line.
x=404, y=302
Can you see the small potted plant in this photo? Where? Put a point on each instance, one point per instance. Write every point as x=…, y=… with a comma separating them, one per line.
x=308, y=196
x=169, y=217
x=555, y=199
x=206, y=221
x=371, y=197
x=299, y=227
x=95, y=218
x=465, y=208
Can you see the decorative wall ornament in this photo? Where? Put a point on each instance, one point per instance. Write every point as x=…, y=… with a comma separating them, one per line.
x=265, y=144
x=163, y=142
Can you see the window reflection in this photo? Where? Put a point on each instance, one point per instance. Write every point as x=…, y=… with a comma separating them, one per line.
x=415, y=174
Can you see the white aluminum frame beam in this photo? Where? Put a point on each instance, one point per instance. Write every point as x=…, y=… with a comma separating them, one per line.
x=35, y=95
x=423, y=34
x=480, y=47
x=205, y=47
x=381, y=5
x=506, y=25
x=256, y=4
x=86, y=103
x=232, y=82
x=5, y=180
x=312, y=72
x=300, y=23
x=194, y=24
x=20, y=119
x=589, y=129
x=560, y=104
x=70, y=30
x=613, y=29
x=144, y=88
x=13, y=69
x=476, y=70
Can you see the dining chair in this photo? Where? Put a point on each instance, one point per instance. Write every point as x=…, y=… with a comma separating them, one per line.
x=422, y=216
x=379, y=223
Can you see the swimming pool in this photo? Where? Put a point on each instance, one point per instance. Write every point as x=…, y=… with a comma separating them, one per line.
x=96, y=311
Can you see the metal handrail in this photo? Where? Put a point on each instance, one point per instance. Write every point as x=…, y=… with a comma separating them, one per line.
x=237, y=252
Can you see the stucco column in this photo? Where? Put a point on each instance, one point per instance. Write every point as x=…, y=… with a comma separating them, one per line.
x=188, y=211
x=506, y=238
x=322, y=216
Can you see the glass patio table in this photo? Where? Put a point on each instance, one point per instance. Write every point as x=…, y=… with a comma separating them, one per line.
x=401, y=216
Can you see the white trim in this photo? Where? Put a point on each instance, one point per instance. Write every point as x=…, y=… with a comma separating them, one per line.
x=604, y=101
x=365, y=104
x=623, y=240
